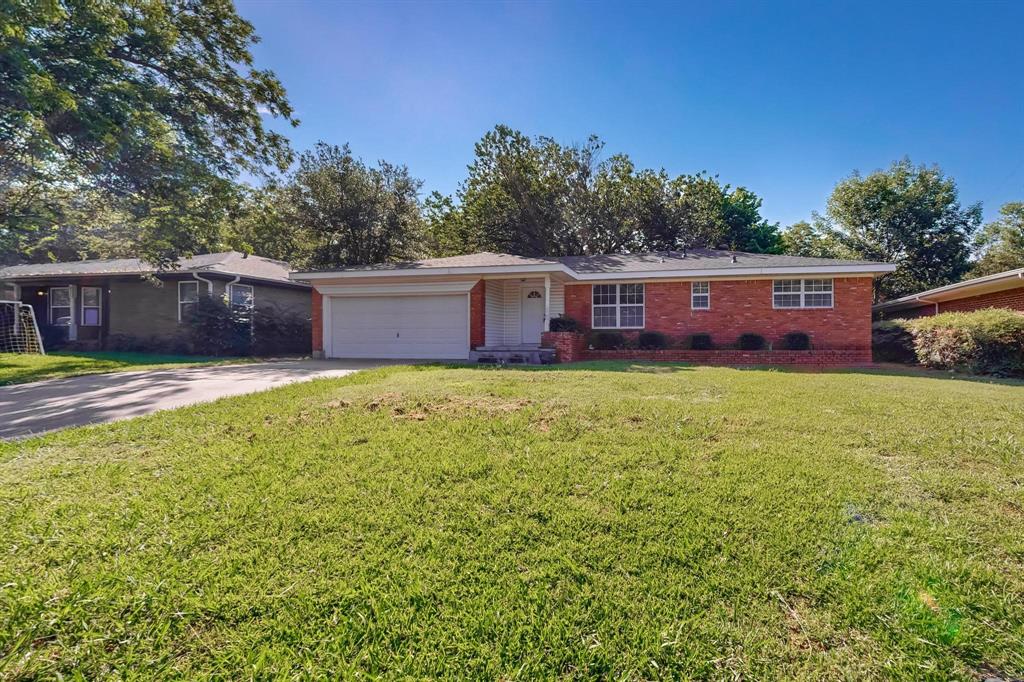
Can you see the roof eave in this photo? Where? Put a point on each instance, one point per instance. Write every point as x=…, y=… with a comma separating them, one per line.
x=952, y=292
x=864, y=269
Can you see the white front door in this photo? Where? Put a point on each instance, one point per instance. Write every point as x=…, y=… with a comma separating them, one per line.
x=433, y=327
x=532, y=312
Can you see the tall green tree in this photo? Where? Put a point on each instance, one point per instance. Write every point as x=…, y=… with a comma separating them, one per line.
x=1000, y=244
x=806, y=239
x=262, y=224
x=352, y=213
x=534, y=196
x=909, y=215
x=155, y=102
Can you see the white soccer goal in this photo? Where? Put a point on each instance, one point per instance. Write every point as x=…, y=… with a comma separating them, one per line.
x=19, y=332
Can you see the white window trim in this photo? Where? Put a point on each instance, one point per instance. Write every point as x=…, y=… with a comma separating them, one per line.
x=252, y=294
x=49, y=307
x=618, y=306
x=180, y=302
x=803, y=292
x=693, y=296
x=98, y=307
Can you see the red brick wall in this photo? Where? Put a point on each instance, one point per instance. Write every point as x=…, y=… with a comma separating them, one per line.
x=739, y=306
x=476, y=315
x=318, y=321
x=568, y=345
x=1008, y=298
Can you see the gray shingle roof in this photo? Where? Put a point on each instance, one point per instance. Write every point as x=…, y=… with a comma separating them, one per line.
x=473, y=260
x=692, y=259
x=227, y=262
x=695, y=259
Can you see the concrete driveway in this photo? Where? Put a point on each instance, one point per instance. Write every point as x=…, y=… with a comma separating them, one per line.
x=27, y=409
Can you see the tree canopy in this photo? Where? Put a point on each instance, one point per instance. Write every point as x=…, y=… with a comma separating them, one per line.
x=535, y=196
x=155, y=103
x=1000, y=244
x=350, y=213
x=909, y=215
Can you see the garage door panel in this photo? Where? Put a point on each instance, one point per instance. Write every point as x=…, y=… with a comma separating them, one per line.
x=406, y=327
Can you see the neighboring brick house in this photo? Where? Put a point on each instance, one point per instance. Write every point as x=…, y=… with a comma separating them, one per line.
x=498, y=306
x=98, y=303
x=1001, y=290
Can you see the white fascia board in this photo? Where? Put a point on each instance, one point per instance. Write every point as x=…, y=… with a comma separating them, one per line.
x=734, y=273
x=396, y=289
x=741, y=273
x=433, y=272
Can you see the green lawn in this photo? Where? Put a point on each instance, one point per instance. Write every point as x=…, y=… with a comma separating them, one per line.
x=19, y=369
x=603, y=521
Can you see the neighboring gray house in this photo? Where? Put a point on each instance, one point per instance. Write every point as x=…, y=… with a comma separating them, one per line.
x=96, y=301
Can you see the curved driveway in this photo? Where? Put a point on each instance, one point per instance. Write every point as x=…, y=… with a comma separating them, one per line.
x=27, y=409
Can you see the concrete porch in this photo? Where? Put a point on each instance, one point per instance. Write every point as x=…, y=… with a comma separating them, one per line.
x=513, y=354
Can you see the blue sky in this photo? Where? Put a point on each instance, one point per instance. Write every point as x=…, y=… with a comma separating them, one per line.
x=783, y=98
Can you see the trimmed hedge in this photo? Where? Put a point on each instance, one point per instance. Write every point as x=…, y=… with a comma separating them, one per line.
x=606, y=340
x=564, y=324
x=652, y=341
x=982, y=342
x=796, y=341
x=701, y=342
x=750, y=341
x=892, y=341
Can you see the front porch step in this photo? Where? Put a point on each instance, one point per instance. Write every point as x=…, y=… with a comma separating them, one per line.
x=515, y=356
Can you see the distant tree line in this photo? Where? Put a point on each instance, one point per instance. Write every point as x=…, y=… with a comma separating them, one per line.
x=125, y=129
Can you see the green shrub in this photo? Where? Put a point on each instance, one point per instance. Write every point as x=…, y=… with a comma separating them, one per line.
x=982, y=342
x=796, y=341
x=701, y=342
x=564, y=324
x=750, y=341
x=652, y=341
x=606, y=341
x=891, y=341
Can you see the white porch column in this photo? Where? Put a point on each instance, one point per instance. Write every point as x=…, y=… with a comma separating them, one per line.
x=547, y=303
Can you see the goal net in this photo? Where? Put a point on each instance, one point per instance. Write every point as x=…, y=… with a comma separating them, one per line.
x=18, y=330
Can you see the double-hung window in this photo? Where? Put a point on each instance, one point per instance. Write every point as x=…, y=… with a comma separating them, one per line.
x=700, y=295
x=802, y=293
x=92, y=306
x=188, y=294
x=240, y=297
x=618, y=306
x=60, y=306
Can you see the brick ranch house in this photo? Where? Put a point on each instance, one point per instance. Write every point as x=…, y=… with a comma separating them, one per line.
x=492, y=306
x=1001, y=290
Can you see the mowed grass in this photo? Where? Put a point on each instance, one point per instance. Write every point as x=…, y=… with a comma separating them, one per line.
x=18, y=368
x=608, y=521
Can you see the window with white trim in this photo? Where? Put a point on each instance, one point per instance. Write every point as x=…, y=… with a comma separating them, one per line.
x=802, y=293
x=60, y=306
x=92, y=306
x=617, y=306
x=240, y=296
x=700, y=295
x=188, y=294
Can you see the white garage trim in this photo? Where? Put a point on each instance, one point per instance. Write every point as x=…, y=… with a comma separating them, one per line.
x=423, y=289
x=383, y=323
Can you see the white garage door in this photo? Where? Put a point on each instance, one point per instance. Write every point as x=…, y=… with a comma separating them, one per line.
x=426, y=327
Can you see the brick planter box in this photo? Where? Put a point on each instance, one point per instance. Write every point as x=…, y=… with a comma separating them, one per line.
x=819, y=358
x=571, y=347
